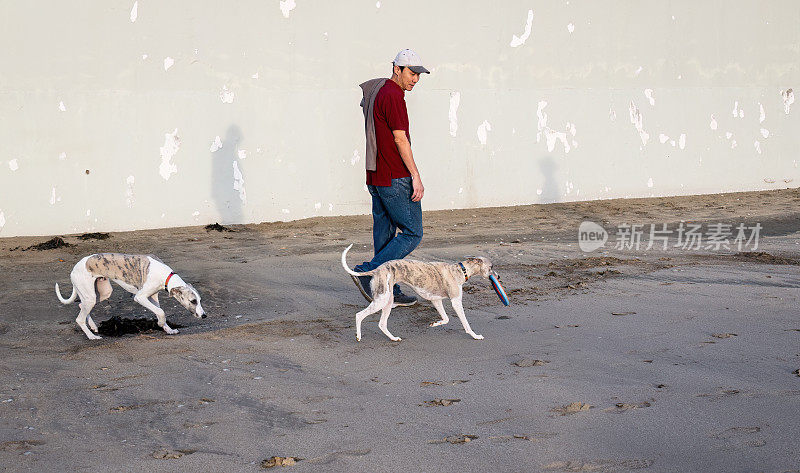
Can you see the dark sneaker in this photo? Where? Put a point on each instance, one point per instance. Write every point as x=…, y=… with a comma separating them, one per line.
x=362, y=283
x=402, y=300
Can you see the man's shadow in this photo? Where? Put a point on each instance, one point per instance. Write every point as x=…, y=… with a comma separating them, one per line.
x=224, y=178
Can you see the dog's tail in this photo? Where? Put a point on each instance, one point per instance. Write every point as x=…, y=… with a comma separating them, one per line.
x=71, y=297
x=346, y=268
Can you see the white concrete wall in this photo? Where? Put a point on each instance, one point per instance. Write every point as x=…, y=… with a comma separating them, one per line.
x=515, y=111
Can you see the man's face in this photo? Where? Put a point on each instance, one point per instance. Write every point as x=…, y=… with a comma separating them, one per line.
x=407, y=78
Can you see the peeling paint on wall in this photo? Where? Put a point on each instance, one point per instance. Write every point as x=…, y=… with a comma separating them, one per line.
x=62, y=156
x=788, y=100
x=765, y=133
x=226, y=95
x=649, y=94
x=757, y=145
x=682, y=141
x=216, y=145
x=287, y=6
x=129, y=197
x=637, y=121
x=520, y=40
x=570, y=28
x=238, y=182
x=761, y=114
x=134, y=11
x=53, y=198
x=650, y=182
x=483, y=130
x=172, y=143
x=356, y=158
x=612, y=114
x=551, y=136
x=455, y=100
x=168, y=62
x=242, y=154
x=737, y=112
x=63, y=108
x=713, y=124
x=13, y=165
x=2, y=220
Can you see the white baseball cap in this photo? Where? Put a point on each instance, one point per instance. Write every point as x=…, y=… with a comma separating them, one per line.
x=410, y=59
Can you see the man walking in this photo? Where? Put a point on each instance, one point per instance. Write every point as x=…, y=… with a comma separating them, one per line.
x=392, y=176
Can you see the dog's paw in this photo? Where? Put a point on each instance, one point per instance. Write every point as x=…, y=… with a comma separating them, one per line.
x=437, y=323
x=171, y=331
x=95, y=337
x=476, y=336
x=395, y=339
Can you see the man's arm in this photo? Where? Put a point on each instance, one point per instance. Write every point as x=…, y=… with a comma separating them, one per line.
x=404, y=147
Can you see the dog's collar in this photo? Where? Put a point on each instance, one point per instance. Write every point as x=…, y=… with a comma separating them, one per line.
x=463, y=270
x=167, y=281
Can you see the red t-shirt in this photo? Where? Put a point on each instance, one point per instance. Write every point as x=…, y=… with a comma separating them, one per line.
x=390, y=114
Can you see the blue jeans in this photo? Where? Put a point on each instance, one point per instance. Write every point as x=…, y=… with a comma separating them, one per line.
x=392, y=210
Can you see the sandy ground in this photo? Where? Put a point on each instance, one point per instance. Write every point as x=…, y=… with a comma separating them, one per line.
x=616, y=360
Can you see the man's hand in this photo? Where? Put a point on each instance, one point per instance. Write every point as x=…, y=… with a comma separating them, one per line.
x=418, y=188
x=404, y=148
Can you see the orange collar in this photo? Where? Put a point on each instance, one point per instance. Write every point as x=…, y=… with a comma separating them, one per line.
x=167, y=281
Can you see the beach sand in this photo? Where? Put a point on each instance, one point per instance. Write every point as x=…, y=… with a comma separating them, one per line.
x=609, y=361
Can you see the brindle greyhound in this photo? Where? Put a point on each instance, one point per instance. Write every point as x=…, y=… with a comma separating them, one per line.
x=140, y=275
x=432, y=281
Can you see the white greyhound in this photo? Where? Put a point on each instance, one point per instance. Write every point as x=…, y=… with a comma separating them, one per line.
x=140, y=275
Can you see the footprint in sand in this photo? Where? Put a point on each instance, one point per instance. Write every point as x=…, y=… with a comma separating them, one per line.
x=571, y=408
x=279, y=461
x=169, y=454
x=602, y=465
x=529, y=362
x=623, y=406
x=721, y=393
x=738, y=437
x=455, y=439
x=441, y=402
x=533, y=437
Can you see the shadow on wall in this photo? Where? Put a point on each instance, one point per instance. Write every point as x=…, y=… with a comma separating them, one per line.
x=227, y=182
x=550, y=192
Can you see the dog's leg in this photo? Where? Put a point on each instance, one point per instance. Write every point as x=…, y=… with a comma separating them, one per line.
x=382, y=323
x=147, y=302
x=440, y=309
x=456, y=302
x=86, y=305
x=103, y=286
x=374, y=306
